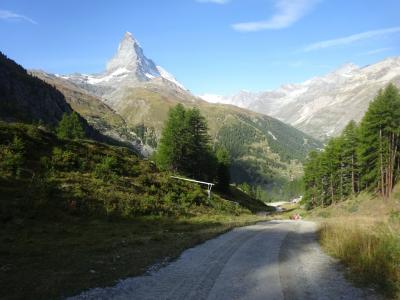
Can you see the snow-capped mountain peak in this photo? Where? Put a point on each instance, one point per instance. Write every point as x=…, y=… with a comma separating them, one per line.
x=129, y=66
x=130, y=56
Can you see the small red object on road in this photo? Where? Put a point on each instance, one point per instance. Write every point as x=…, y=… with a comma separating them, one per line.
x=295, y=217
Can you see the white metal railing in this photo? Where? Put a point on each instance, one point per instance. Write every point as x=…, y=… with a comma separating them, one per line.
x=209, y=185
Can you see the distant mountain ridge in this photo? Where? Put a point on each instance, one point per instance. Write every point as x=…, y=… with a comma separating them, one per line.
x=321, y=106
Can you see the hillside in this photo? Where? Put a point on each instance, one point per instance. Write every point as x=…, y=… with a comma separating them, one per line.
x=96, y=112
x=26, y=98
x=97, y=212
x=321, y=106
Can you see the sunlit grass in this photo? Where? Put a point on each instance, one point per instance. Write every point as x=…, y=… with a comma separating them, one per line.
x=364, y=233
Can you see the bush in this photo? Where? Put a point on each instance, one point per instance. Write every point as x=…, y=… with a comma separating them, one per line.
x=64, y=160
x=107, y=169
x=12, y=158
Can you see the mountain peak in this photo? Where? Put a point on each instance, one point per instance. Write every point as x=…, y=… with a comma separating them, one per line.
x=128, y=34
x=346, y=68
x=128, y=66
x=129, y=39
x=128, y=56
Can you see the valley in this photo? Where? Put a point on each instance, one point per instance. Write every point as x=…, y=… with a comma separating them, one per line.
x=130, y=101
x=220, y=150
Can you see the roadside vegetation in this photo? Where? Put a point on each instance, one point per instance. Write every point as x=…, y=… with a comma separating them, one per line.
x=75, y=213
x=363, y=232
x=351, y=187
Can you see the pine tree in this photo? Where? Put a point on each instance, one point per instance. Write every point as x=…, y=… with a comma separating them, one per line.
x=199, y=160
x=70, y=127
x=171, y=150
x=350, y=158
x=223, y=173
x=379, y=141
x=312, y=181
x=185, y=145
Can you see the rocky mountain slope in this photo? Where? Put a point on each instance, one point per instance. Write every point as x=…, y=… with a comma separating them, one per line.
x=134, y=95
x=321, y=106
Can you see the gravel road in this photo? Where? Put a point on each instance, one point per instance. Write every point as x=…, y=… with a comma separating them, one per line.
x=270, y=260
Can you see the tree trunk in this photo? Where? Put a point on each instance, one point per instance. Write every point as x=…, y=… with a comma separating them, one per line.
x=332, y=195
x=382, y=187
x=353, y=187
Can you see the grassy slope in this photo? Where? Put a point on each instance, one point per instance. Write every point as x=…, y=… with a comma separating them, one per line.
x=63, y=229
x=364, y=233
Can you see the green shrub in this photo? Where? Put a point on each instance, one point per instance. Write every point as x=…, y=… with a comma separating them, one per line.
x=107, y=169
x=12, y=158
x=64, y=160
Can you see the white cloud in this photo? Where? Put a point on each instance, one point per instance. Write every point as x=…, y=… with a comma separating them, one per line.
x=11, y=16
x=288, y=12
x=351, y=39
x=376, y=51
x=214, y=1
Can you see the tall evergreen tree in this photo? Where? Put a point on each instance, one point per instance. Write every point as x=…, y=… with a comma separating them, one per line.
x=174, y=138
x=350, y=158
x=312, y=181
x=379, y=136
x=199, y=160
x=70, y=127
x=185, y=144
x=223, y=172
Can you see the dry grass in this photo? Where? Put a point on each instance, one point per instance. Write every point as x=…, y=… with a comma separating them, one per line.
x=371, y=251
x=364, y=233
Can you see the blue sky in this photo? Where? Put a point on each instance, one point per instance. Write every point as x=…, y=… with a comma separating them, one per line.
x=211, y=46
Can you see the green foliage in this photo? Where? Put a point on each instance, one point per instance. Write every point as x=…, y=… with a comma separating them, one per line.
x=107, y=169
x=85, y=178
x=64, y=160
x=12, y=157
x=364, y=157
x=70, y=127
x=172, y=146
x=185, y=145
x=223, y=171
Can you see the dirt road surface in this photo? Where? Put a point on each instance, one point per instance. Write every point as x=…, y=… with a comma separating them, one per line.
x=270, y=260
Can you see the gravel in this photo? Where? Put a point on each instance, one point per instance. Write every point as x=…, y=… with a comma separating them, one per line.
x=269, y=260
